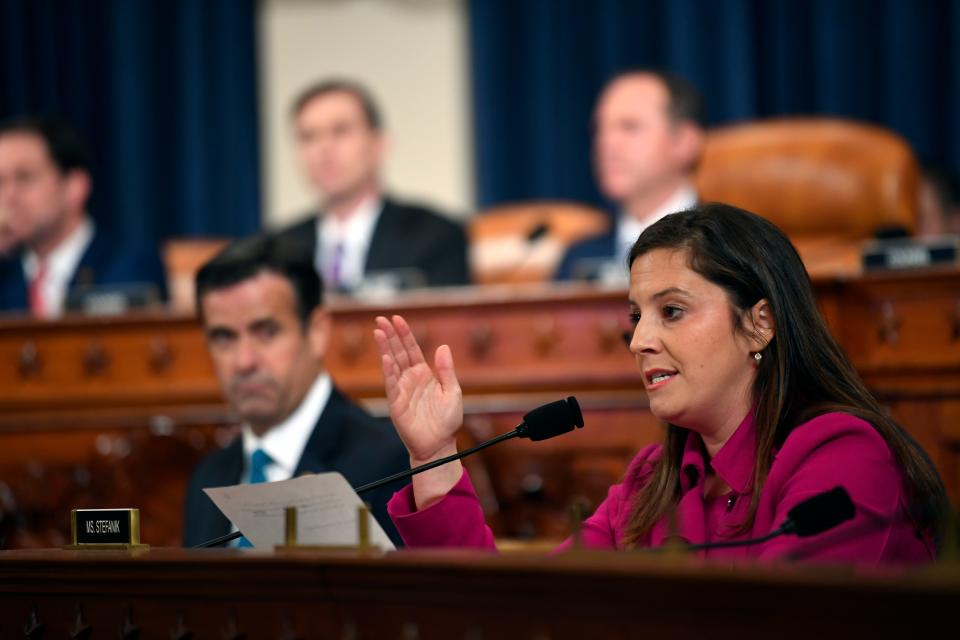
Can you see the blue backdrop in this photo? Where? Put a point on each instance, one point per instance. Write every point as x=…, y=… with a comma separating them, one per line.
x=164, y=92
x=537, y=66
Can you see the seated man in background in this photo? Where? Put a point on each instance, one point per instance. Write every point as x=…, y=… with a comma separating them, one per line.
x=49, y=245
x=648, y=136
x=268, y=336
x=358, y=235
x=939, y=203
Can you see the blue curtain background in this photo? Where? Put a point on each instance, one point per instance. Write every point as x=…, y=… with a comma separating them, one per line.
x=164, y=92
x=538, y=65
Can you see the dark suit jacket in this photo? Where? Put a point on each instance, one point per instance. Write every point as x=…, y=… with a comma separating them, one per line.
x=345, y=439
x=599, y=248
x=406, y=236
x=103, y=263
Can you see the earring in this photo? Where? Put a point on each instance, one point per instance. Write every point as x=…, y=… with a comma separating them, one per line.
x=758, y=356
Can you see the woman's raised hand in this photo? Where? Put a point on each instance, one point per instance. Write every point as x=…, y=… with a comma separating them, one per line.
x=426, y=405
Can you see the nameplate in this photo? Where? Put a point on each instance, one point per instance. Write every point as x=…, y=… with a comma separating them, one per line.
x=910, y=254
x=112, y=299
x=105, y=529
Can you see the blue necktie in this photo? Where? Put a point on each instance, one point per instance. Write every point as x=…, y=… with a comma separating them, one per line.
x=258, y=465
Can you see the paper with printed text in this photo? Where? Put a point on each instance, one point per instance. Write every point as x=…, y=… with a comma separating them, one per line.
x=327, y=508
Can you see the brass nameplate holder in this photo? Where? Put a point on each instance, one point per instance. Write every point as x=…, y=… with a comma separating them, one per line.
x=363, y=547
x=105, y=530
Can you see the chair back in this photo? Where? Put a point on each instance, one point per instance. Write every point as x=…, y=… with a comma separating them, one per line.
x=829, y=184
x=182, y=258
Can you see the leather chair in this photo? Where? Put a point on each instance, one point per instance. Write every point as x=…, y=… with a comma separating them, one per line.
x=525, y=241
x=829, y=184
x=182, y=258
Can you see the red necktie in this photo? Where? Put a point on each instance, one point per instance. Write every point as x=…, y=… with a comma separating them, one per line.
x=37, y=308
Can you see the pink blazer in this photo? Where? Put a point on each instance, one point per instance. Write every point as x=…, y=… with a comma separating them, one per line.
x=832, y=449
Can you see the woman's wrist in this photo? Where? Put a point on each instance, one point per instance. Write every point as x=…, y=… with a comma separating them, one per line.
x=431, y=486
x=445, y=451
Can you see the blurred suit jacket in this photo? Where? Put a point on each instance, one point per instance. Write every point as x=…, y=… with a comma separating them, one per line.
x=345, y=439
x=406, y=237
x=603, y=247
x=104, y=262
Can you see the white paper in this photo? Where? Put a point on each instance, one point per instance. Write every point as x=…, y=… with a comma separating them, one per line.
x=327, y=508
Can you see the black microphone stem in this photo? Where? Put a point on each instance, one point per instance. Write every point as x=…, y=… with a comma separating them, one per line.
x=738, y=543
x=439, y=462
x=216, y=541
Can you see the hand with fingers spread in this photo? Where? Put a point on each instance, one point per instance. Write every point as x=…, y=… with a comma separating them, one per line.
x=426, y=405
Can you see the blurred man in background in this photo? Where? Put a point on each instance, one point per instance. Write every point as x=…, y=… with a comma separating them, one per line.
x=939, y=202
x=358, y=234
x=49, y=245
x=648, y=137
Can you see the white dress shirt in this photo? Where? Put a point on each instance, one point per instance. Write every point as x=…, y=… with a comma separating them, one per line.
x=354, y=232
x=629, y=228
x=285, y=442
x=61, y=264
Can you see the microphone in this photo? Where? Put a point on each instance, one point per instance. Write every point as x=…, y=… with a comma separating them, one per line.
x=531, y=239
x=820, y=513
x=546, y=421
x=503, y=258
x=815, y=515
x=551, y=419
x=537, y=232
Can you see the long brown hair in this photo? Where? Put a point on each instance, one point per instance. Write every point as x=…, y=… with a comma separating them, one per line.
x=803, y=372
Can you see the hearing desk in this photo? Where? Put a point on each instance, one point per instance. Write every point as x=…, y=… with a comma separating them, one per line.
x=115, y=412
x=232, y=594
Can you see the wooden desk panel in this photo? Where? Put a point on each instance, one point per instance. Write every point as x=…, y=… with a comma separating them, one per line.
x=902, y=331
x=87, y=365
x=423, y=595
x=129, y=461
x=503, y=340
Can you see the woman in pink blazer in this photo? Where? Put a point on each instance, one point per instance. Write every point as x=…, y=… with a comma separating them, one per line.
x=763, y=410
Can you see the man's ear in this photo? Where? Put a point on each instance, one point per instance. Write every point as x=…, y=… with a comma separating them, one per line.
x=381, y=147
x=319, y=330
x=760, y=325
x=688, y=147
x=77, y=188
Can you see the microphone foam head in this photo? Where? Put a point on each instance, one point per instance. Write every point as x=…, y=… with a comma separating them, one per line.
x=552, y=419
x=822, y=512
x=538, y=232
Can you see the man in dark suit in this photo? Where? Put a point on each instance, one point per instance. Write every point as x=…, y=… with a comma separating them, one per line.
x=49, y=245
x=648, y=136
x=268, y=335
x=359, y=238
